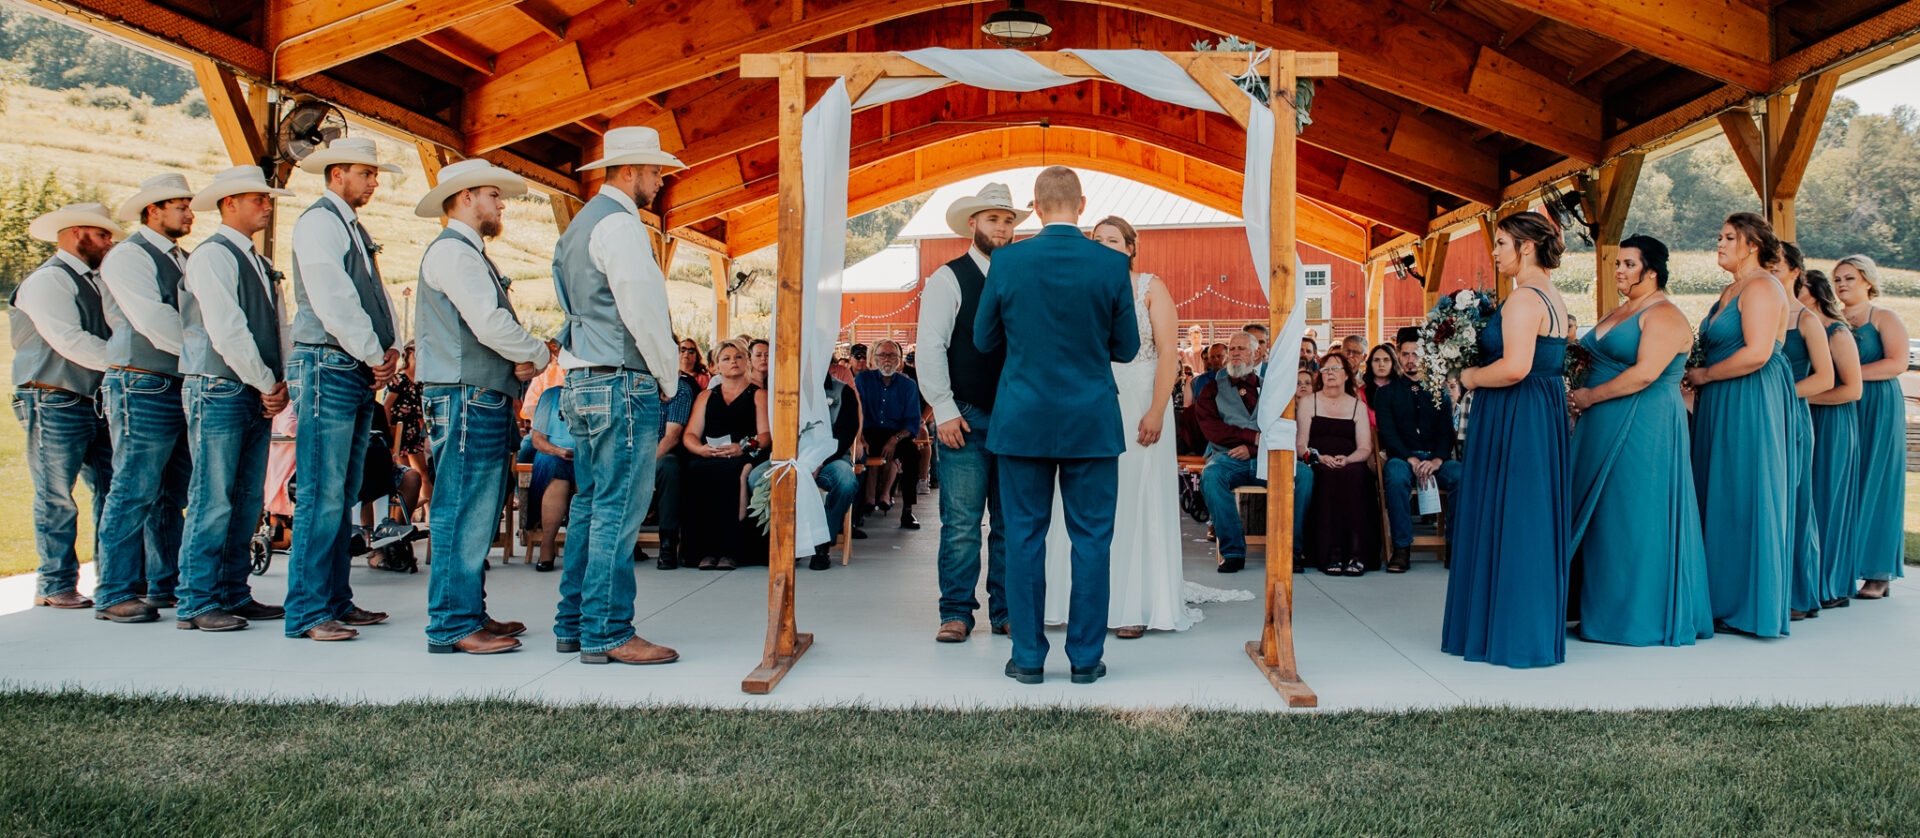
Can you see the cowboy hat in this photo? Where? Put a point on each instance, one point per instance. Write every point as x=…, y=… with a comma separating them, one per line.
x=468, y=174
x=158, y=189
x=634, y=146
x=47, y=227
x=239, y=180
x=346, y=150
x=992, y=196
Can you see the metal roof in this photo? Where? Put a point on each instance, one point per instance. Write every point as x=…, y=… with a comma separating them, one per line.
x=894, y=269
x=1143, y=206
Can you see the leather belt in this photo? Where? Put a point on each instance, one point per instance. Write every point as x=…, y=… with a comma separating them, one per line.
x=139, y=370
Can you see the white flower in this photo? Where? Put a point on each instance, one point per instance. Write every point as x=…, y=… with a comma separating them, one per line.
x=1450, y=352
x=1464, y=299
x=1467, y=333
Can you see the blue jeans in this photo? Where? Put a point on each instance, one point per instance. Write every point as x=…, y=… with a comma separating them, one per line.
x=331, y=392
x=473, y=432
x=1396, y=478
x=969, y=493
x=615, y=421
x=227, y=436
x=141, y=516
x=1087, y=490
x=66, y=441
x=836, y=478
x=1222, y=475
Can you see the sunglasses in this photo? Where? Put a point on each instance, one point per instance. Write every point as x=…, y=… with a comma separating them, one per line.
x=688, y=350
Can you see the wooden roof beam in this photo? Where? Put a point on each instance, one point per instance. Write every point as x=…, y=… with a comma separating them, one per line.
x=1729, y=40
x=542, y=17
x=459, y=51
x=1597, y=62
x=315, y=35
x=1399, y=50
x=1521, y=26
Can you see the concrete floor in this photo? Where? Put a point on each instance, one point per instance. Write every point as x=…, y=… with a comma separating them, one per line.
x=1371, y=642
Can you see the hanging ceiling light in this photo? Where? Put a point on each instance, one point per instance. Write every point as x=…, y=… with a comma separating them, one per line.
x=1016, y=27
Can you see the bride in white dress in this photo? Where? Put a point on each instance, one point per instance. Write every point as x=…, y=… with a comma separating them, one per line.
x=1149, y=591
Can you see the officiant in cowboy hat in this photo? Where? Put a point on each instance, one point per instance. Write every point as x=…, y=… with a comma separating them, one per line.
x=60, y=350
x=345, y=346
x=475, y=359
x=232, y=356
x=958, y=380
x=618, y=340
x=140, y=519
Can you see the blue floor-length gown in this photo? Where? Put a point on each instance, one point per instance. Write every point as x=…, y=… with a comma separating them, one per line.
x=1805, y=593
x=1507, y=592
x=1740, y=472
x=1836, y=490
x=1881, y=517
x=1636, y=518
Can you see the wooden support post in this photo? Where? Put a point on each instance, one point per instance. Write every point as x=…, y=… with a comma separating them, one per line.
x=1273, y=652
x=1775, y=154
x=1376, y=296
x=722, y=278
x=1489, y=229
x=234, y=113
x=785, y=644
x=564, y=209
x=1613, y=195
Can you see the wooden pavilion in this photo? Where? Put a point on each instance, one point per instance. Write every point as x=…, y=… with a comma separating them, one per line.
x=1444, y=114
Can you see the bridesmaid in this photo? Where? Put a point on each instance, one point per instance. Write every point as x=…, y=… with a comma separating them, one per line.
x=1740, y=444
x=1635, y=516
x=1878, y=543
x=1507, y=592
x=1836, y=447
x=1811, y=365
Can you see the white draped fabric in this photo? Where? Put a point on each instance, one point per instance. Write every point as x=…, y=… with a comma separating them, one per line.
x=824, y=144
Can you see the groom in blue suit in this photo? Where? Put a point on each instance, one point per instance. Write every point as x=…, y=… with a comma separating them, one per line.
x=1063, y=305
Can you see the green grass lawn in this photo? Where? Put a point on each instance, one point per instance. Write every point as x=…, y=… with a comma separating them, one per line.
x=16, y=488
x=120, y=766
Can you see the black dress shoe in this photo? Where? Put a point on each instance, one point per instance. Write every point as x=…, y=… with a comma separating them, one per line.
x=820, y=561
x=1025, y=675
x=1088, y=674
x=907, y=521
x=669, y=556
x=259, y=611
x=1232, y=564
x=566, y=647
x=543, y=567
x=215, y=620
x=859, y=533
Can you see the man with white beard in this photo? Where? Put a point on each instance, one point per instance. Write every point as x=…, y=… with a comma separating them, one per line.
x=1226, y=409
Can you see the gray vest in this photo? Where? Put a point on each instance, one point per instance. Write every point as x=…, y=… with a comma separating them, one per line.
x=127, y=347
x=1233, y=411
x=262, y=310
x=594, y=331
x=449, y=352
x=366, y=285
x=34, y=359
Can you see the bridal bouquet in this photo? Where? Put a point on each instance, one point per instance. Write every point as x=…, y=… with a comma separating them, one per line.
x=1579, y=365
x=1698, y=356
x=1450, y=339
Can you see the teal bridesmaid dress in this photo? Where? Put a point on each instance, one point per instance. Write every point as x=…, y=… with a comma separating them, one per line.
x=1836, y=490
x=1740, y=473
x=1881, y=516
x=1805, y=595
x=1636, y=519
x=1507, y=590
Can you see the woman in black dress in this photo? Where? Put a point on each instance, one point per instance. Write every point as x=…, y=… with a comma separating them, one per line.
x=726, y=436
x=1334, y=435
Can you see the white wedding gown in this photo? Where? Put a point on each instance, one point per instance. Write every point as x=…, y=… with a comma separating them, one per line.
x=1148, y=587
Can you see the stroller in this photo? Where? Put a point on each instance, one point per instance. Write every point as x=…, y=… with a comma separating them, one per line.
x=393, y=538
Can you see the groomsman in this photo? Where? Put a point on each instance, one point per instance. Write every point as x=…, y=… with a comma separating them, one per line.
x=616, y=336
x=344, y=348
x=232, y=351
x=140, y=517
x=59, y=351
x=958, y=381
x=475, y=360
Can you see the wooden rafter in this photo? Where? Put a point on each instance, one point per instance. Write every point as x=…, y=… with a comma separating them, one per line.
x=318, y=34
x=1608, y=202
x=459, y=51
x=1397, y=50
x=1727, y=40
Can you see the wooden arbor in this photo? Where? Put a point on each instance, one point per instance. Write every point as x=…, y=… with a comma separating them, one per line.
x=1272, y=653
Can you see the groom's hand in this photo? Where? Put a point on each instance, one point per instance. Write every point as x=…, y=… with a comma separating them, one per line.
x=953, y=432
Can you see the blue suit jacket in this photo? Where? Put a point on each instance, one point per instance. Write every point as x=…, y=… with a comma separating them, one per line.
x=1063, y=305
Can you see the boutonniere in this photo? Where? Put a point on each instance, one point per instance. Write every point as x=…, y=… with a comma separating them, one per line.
x=375, y=249
x=274, y=275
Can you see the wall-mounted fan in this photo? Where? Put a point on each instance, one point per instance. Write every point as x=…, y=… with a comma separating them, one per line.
x=1568, y=209
x=307, y=126
x=744, y=279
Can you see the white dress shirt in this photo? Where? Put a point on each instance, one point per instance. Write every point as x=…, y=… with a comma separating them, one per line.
x=213, y=278
x=462, y=275
x=319, y=242
x=939, y=304
x=47, y=299
x=619, y=247
x=135, y=285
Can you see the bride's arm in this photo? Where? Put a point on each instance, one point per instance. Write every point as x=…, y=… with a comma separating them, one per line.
x=1166, y=343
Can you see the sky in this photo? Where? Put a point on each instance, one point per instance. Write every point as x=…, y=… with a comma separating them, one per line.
x=1898, y=86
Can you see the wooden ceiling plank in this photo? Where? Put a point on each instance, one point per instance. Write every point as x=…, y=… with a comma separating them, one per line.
x=312, y=49
x=1598, y=61
x=547, y=20
x=1729, y=40
x=1522, y=24
x=451, y=47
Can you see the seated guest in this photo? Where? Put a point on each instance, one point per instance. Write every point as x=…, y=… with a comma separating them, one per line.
x=1226, y=409
x=1216, y=358
x=842, y=369
x=691, y=365
x=726, y=434
x=835, y=475
x=1417, y=437
x=384, y=474
x=1355, y=348
x=757, y=356
x=550, y=488
x=890, y=413
x=857, y=358
x=1333, y=438
x=1382, y=369
x=669, y=461
x=1262, y=339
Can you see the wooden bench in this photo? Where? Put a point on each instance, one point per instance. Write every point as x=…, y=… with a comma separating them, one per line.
x=1252, y=501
